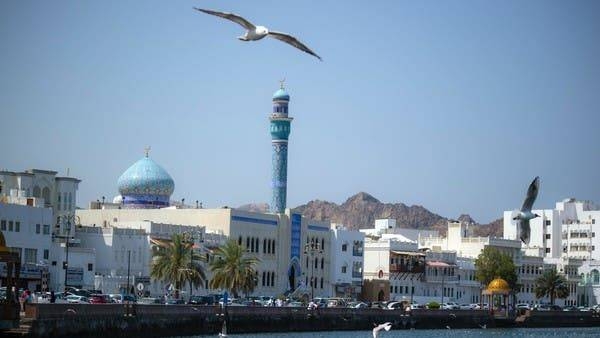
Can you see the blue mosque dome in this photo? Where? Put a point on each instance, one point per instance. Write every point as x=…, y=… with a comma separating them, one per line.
x=146, y=185
x=281, y=94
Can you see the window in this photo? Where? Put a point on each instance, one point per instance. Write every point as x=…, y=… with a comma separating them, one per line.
x=10, y=225
x=46, y=253
x=46, y=229
x=3, y=225
x=30, y=256
x=344, y=247
x=38, y=228
x=547, y=236
x=548, y=222
x=547, y=250
x=17, y=226
x=344, y=268
x=90, y=267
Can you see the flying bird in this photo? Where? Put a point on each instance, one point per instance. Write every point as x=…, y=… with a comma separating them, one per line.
x=525, y=215
x=387, y=326
x=254, y=33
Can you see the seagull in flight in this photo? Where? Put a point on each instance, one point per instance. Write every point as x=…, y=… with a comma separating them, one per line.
x=387, y=326
x=525, y=215
x=254, y=33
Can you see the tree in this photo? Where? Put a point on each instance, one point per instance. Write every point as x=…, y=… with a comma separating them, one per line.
x=233, y=269
x=176, y=262
x=492, y=263
x=551, y=284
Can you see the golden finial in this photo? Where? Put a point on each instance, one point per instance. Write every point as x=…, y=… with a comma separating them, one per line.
x=147, y=150
x=281, y=83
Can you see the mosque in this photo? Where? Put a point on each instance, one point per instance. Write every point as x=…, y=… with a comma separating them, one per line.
x=143, y=213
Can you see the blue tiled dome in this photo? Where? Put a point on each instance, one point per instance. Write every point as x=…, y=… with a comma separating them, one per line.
x=147, y=178
x=281, y=94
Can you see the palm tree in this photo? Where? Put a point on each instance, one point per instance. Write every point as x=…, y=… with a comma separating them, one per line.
x=176, y=262
x=551, y=284
x=233, y=269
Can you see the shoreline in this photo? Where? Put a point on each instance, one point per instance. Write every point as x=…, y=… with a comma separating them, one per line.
x=119, y=320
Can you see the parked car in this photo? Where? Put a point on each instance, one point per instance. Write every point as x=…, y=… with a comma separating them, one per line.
x=149, y=300
x=75, y=299
x=202, y=300
x=99, y=299
x=482, y=306
x=524, y=306
x=336, y=302
x=450, y=306
x=395, y=306
x=358, y=305
x=467, y=306
x=570, y=308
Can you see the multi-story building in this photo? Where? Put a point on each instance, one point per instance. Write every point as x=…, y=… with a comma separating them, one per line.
x=347, y=247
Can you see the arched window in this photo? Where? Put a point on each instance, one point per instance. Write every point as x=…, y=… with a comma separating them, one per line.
x=265, y=245
x=272, y=278
x=322, y=263
x=263, y=278
x=595, y=276
x=316, y=262
x=247, y=243
x=240, y=240
x=252, y=245
x=322, y=243
x=321, y=282
x=273, y=244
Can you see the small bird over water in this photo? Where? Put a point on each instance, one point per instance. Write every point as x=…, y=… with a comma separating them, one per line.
x=525, y=215
x=254, y=33
x=387, y=326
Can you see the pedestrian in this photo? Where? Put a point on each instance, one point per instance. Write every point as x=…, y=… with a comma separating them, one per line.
x=52, y=297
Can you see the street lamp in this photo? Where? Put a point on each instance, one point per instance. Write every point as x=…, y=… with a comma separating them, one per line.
x=66, y=220
x=191, y=240
x=312, y=249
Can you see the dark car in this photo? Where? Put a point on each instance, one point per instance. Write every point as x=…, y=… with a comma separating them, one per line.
x=175, y=301
x=202, y=300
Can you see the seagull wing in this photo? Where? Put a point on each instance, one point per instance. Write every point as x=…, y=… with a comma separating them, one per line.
x=532, y=193
x=294, y=42
x=230, y=16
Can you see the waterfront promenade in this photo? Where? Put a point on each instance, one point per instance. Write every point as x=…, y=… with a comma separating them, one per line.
x=117, y=320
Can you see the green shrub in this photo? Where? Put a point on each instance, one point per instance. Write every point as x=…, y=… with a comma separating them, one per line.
x=433, y=305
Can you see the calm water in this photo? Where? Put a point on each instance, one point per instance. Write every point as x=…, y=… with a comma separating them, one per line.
x=546, y=332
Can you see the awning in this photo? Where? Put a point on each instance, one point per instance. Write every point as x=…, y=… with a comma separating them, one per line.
x=408, y=253
x=436, y=264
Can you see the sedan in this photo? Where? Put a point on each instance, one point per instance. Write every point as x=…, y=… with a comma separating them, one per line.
x=74, y=299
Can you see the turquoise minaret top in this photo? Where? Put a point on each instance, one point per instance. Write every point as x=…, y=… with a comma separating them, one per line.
x=280, y=131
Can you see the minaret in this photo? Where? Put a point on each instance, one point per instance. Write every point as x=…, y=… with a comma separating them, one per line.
x=280, y=131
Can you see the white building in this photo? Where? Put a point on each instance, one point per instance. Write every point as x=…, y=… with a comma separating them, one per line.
x=34, y=207
x=347, y=248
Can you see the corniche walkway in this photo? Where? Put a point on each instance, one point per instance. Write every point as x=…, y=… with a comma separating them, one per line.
x=118, y=320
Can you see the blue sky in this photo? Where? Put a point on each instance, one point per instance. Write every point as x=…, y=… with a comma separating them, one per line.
x=453, y=105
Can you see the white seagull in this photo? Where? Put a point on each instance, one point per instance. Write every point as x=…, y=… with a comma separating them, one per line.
x=525, y=215
x=254, y=33
x=387, y=326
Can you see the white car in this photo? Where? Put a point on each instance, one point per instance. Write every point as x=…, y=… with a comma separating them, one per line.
x=468, y=306
x=450, y=306
x=74, y=299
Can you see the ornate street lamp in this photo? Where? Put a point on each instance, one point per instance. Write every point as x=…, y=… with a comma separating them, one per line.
x=66, y=220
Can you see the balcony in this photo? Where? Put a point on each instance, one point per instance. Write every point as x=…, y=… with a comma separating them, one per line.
x=407, y=268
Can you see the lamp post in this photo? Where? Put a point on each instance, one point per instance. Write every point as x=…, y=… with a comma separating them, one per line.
x=67, y=220
x=191, y=239
x=443, y=275
x=128, y=270
x=312, y=249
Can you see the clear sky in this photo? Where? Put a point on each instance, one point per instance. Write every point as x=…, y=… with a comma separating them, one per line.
x=453, y=105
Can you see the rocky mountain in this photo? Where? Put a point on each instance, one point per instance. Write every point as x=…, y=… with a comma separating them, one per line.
x=361, y=210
